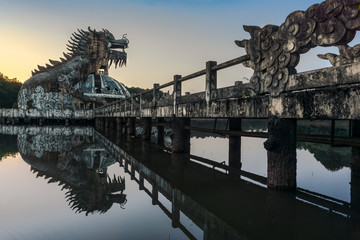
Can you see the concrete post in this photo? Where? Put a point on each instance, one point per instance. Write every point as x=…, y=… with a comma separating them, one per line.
x=281, y=147
x=155, y=94
x=177, y=92
x=146, y=134
x=235, y=144
x=211, y=84
x=180, y=135
x=131, y=127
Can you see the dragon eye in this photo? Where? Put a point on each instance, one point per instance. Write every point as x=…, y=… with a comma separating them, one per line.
x=109, y=45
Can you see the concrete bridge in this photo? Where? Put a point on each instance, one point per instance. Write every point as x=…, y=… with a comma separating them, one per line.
x=329, y=93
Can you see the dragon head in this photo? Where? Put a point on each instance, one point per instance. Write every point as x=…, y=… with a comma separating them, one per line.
x=99, y=47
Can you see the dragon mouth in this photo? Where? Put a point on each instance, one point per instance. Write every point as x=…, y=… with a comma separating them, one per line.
x=118, y=57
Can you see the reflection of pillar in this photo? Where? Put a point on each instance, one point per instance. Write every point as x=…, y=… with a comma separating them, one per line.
x=235, y=144
x=160, y=130
x=280, y=214
x=180, y=135
x=177, y=167
x=132, y=173
x=141, y=180
x=145, y=151
x=175, y=213
x=126, y=167
x=131, y=126
x=155, y=193
x=281, y=147
x=146, y=134
x=355, y=192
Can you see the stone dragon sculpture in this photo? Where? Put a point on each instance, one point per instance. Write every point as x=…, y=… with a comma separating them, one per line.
x=55, y=85
x=275, y=50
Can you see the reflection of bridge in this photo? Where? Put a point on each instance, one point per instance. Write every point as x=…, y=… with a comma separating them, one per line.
x=225, y=209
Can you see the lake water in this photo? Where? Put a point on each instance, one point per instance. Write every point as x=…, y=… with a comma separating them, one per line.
x=76, y=183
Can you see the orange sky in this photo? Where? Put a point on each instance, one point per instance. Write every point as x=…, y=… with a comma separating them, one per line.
x=166, y=37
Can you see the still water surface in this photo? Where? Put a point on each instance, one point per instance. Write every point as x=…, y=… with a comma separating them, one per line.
x=73, y=183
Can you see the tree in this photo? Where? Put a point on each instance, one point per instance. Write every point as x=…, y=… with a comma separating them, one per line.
x=9, y=89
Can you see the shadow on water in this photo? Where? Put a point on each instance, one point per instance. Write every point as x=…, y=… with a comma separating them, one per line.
x=222, y=205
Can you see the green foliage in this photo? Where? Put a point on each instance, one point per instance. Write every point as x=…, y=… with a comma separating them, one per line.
x=9, y=89
x=135, y=90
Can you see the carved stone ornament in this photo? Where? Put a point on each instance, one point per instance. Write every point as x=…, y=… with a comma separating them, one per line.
x=275, y=51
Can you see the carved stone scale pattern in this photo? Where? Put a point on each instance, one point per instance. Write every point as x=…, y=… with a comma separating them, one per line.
x=275, y=50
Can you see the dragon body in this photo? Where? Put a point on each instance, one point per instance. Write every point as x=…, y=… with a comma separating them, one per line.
x=59, y=84
x=275, y=50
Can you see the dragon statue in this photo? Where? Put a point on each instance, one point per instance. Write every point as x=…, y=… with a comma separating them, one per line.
x=275, y=50
x=59, y=84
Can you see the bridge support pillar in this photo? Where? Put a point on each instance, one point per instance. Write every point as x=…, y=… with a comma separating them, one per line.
x=146, y=133
x=281, y=153
x=41, y=121
x=119, y=124
x=106, y=123
x=180, y=135
x=130, y=127
x=235, y=144
x=160, y=132
x=354, y=128
x=67, y=122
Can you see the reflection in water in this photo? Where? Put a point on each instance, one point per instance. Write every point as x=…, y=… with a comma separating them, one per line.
x=7, y=146
x=78, y=159
x=332, y=158
x=73, y=159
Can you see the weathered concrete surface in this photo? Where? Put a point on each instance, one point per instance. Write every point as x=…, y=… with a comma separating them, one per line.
x=281, y=153
x=47, y=114
x=329, y=93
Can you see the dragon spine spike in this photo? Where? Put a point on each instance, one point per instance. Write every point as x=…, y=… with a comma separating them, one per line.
x=67, y=56
x=48, y=66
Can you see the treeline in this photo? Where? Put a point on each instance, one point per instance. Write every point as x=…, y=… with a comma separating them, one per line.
x=9, y=89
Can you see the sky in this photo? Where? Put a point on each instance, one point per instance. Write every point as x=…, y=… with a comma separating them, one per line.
x=167, y=37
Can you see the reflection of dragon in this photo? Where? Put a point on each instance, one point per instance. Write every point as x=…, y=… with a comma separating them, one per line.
x=67, y=160
x=275, y=51
x=61, y=81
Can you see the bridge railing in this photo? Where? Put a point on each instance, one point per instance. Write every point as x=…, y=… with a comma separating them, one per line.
x=153, y=98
